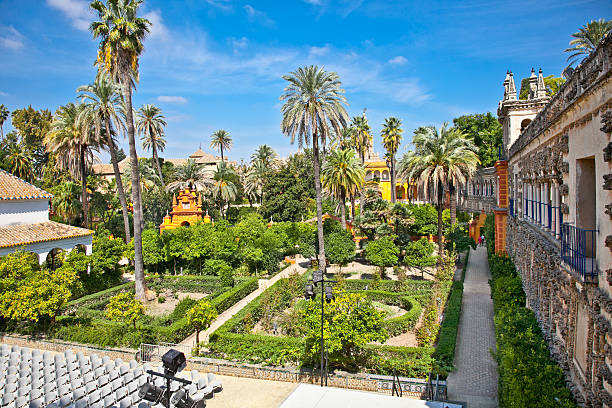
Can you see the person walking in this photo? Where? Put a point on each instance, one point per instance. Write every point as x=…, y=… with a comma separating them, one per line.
x=480, y=240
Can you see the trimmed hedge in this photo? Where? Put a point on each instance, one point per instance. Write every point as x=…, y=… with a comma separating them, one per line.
x=233, y=341
x=447, y=336
x=232, y=296
x=528, y=376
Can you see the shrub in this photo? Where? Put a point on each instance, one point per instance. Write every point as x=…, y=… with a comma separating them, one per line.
x=200, y=316
x=419, y=253
x=125, y=308
x=340, y=247
x=383, y=252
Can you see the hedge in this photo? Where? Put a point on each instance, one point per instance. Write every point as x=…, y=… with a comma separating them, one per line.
x=447, y=336
x=231, y=342
x=528, y=376
x=232, y=296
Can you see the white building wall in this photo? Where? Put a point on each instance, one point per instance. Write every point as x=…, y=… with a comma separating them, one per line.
x=43, y=248
x=14, y=212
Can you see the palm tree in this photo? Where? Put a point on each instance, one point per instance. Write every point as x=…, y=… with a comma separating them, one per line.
x=148, y=177
x=21, y=161
x=191, y=175
x=150, y=124
x=223, y=187
x=73, y=141
x=392, y=137
x=102, y=111
x=362, y=138
x=221, y=140
x=342, y=172
x=121, y=33
x=4, y=114
x=586, y=39
x=313, y=107
x=265, y=155
x=65, y=201
x=439, y=160
x=255, y=179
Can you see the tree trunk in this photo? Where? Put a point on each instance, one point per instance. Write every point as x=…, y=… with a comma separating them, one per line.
x=352, y=207
x=453, y=203
x=393, y=198
x=343, y=208
x=317, y=180
x=362, y=192
x=140, y=283
x=84, y=189
x=440, y=209
x=197, y=337
x=221, y=149
x=156, y=158
x=120, y=191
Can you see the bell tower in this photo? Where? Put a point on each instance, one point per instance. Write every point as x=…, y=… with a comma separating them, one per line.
x=516, y=114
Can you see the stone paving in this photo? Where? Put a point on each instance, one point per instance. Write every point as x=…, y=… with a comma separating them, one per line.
x=475, y=379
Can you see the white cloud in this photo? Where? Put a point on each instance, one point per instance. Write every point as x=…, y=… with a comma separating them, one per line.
x=172, y=99
x=258, y=16
x=77, y=11
x=238, y=43
x=158, y=29
x=10, y=38
x=399, y=60
x=3, y=93
x=319, y=51
x=314, y=2
x=222, y=4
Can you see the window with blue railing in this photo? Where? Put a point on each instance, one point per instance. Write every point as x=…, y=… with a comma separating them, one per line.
x=579, y=250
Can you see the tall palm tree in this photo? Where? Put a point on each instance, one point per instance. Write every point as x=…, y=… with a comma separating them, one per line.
x=341, y=173
x=191, y=175
x=223, y=187
x=21, y=161
x=148, y=176
x=221, y=140
x=4, y=114
x=73, y=141
x=150, y=125
x=440, y=159
x=121, y=33
x=102, y=111
x=362, y=138
x=255, y=179
x=586, y=39
x=314, y=105
x=65, y=200
x=265, y=155
x=392, y=137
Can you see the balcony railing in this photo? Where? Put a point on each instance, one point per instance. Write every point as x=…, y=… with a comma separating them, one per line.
x=579, y=250
x=511, y=207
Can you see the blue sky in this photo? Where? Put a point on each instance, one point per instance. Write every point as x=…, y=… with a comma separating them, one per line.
x=217, y=64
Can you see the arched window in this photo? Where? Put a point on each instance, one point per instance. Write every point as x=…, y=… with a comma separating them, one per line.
x=368, y=176
x=385, y=175
x=525, y=123
x=185, y=224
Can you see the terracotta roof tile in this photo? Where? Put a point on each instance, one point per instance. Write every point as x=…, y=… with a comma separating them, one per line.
x=23, y=234
x=14, y=188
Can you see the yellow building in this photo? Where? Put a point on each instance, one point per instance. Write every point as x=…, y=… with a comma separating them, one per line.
x=186, y=210
x=377, y=170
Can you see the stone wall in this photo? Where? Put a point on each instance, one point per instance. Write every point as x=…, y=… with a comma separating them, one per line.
x=556, y=295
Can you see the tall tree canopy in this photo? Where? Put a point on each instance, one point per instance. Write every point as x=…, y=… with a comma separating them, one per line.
x=553, y=84
x=486, y=132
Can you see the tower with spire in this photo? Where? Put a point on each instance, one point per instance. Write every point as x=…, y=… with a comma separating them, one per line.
x=515, y=114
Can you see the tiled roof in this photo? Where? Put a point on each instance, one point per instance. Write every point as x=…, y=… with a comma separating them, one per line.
x=14, y=188
x=23, y=234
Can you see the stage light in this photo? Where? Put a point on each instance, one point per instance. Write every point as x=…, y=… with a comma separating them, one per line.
x=309, y=292
x=181, y=399
x=329, y=294
x=153, y=394
x=174, y=361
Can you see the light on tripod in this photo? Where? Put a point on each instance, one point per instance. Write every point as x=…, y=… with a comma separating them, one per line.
x=181, y=399
x=329, y=294
x=174, y=361
x=309, y=292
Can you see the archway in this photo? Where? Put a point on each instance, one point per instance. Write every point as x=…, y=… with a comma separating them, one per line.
x=185, y=224
x=54, y=258
x=525, y=123
x=385, y=175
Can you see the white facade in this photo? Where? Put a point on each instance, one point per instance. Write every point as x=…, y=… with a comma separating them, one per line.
x=15, y=212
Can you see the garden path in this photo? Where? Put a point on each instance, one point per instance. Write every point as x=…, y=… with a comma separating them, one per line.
x=475, y=378
x=299, y=267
